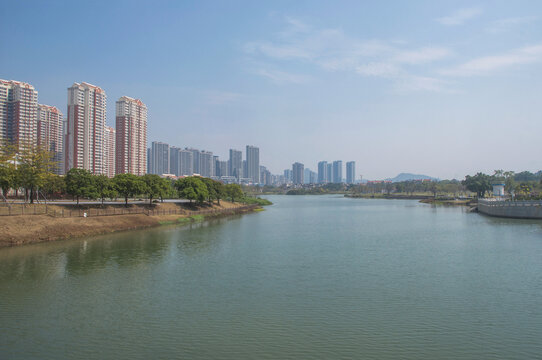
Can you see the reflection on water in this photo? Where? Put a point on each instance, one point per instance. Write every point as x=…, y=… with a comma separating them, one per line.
x=311, y=277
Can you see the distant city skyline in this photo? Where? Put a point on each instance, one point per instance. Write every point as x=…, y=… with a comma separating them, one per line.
x=442, y=89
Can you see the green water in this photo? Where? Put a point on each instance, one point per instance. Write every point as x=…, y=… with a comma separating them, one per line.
x=318, y=277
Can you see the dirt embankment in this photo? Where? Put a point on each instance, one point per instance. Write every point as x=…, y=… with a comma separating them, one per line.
x=29, y=229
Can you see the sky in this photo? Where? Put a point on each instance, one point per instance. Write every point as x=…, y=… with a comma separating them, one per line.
x=442, y=88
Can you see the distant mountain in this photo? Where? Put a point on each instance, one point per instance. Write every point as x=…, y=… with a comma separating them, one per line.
x=408, y=177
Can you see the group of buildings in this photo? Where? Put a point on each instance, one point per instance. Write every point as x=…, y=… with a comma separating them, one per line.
x=82, y=139
x=164, y=159
x=328, y=172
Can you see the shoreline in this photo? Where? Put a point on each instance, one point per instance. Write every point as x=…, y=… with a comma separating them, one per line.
x=22, y=230
x=425, y=199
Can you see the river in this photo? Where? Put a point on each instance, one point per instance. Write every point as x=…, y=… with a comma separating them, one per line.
x=312, y=277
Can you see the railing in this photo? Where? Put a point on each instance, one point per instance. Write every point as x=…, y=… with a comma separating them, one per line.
x=509, y=203
x=20, y=209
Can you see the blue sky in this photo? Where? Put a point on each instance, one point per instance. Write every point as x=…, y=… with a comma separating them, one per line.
x=441, y=88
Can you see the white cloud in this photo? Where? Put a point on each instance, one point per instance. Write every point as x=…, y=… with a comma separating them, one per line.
x=421, y=83
x=422, y=56
x=333, y=50
x=504, y=25
x=487, y=64
x=382, y=69
x=282, y=77
x=459, y=17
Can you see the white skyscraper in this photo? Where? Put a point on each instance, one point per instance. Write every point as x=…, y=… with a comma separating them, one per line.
x=18, y=113
x=110, y=151
x=85, y=139
x=50, y=133
x=131, y=141
x=253, y=164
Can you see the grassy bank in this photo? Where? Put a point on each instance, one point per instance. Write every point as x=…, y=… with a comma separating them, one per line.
x=29, y=229
x=255, y=201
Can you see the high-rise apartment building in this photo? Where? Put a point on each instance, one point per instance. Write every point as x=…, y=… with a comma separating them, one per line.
x=350, y=172
x=110, y=151
x=265, y=176
x=18, y=113
x=84, y=145
x=174, y=160
x=222, y=168
x=131, y=127
x=309, y=176
x=186, y=163
x=253, y=164
x=149, y=161
x=329, y=172
x=195, y=160
x=322, y=172
x=236, y=163
x=288, y=175
x=206, y=163
x=160, y=158
x=50, y=133
x=298, y=173
x=337, y=172
x=216, y=169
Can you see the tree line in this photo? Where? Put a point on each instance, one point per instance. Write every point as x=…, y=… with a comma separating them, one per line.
x=32, y=169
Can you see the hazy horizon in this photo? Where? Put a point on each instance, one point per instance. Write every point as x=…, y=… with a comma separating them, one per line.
x=433, y=88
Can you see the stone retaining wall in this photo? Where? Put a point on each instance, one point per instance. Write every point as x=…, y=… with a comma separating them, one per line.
x=511, y=209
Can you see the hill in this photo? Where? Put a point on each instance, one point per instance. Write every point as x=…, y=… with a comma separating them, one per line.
x=409, y=176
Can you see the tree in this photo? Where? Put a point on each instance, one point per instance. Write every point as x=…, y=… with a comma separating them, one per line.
x=104, y=187
x=34, y=165
x=433, y=187
x=218, y=190
x=156, y=186
x=215, y=189
x=8, y=172
x=479, y=184
x=233, y=191
x=80, y=184
x=129, y=185
x=192, y=188
x=53, y=184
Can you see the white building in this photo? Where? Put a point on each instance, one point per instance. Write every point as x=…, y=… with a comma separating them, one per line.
x=110, y=151
x=85, y=140
x=498, y=190
x=18, y=113
x=131, y=141
x=50, y=133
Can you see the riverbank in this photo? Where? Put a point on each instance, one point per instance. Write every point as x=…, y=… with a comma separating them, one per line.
x=426, y=199
x=30, y=229
x=390, y=196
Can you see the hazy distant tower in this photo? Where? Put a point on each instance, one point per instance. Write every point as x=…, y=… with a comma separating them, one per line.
x=337, y=172
x=253, y=164
x=350, y=172
x=322, y=172
x=236, y=163
x=298, y=170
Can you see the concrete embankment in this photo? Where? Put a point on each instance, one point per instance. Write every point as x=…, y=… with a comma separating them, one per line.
x=511, y=209
x=29, y=229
